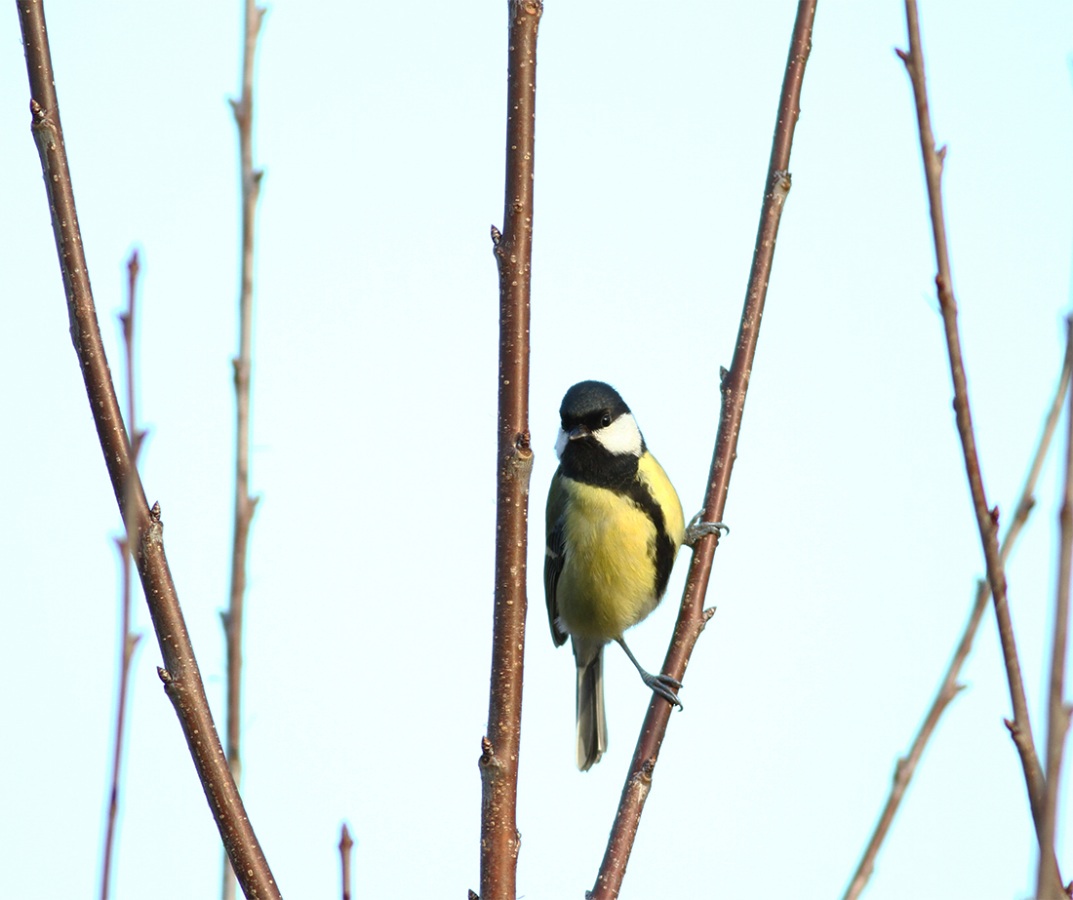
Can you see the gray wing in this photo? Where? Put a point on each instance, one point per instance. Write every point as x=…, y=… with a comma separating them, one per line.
x=554, y=554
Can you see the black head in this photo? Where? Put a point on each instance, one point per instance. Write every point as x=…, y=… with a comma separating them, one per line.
x=592, y=404
x=599, y=442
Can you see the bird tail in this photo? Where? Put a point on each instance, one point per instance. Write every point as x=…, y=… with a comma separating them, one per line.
x=591, y=719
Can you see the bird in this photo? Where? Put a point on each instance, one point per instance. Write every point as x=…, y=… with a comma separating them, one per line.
x=614, y=527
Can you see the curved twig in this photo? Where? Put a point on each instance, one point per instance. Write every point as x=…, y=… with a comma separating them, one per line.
x=180, y=675
x=692, y=616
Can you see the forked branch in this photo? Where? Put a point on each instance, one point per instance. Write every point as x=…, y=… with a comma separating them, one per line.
x=986, y=519
x=692, y=616
x=949, y=688
x=182, y=680
x=1057, y=708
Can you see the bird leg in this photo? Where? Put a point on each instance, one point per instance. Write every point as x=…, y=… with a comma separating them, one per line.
x=659, y=684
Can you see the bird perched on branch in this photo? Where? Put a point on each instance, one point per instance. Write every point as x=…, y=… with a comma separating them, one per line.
x=614, y=526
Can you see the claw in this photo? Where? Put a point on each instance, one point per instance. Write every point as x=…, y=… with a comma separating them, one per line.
x=661, y=685
x=696, y=529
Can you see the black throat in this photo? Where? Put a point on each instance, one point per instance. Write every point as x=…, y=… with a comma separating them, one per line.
x=588, y=461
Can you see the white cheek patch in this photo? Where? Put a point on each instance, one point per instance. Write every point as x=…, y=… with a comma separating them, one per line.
x=621, y=437
x=560, y=443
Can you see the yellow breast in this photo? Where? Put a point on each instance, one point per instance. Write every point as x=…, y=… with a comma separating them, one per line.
x=608, y=579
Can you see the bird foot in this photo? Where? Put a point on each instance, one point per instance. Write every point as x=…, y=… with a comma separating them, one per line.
x=696, y=529
x=662, y=685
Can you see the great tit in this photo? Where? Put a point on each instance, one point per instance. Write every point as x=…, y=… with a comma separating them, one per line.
x=614, y=526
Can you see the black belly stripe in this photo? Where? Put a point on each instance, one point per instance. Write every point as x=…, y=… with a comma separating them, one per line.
x=588, y=462
x=665, y=550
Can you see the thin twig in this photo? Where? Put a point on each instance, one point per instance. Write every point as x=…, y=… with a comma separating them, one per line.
x=345, y=846
x=128, y=641
x=987, y=520
x=692, y=616
x=245, y=505
x=1047, y=887
x=948, y=689
x=180, y=675
x=514, y=463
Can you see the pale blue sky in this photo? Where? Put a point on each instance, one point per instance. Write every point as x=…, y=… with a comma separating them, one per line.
x=853, y=553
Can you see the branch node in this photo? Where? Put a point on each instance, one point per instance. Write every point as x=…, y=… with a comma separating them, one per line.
x=706, y=616
x=497, y=236
x=781, y=183
x=903, y=55
x=899, y=769
x=164, y=675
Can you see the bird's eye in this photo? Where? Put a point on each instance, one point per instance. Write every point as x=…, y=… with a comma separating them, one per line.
x=605, y=420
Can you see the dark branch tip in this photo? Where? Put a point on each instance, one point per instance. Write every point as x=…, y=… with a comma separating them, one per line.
x=154, y=512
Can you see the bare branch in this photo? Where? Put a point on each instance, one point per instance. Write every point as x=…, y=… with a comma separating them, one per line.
x=986, y=518
x=948, y=689
x=345, y=846
x=1047, y=887
x=514, y=462
x=182, y=680
x=128, y=641
x=692, y=616
x=245, y=505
